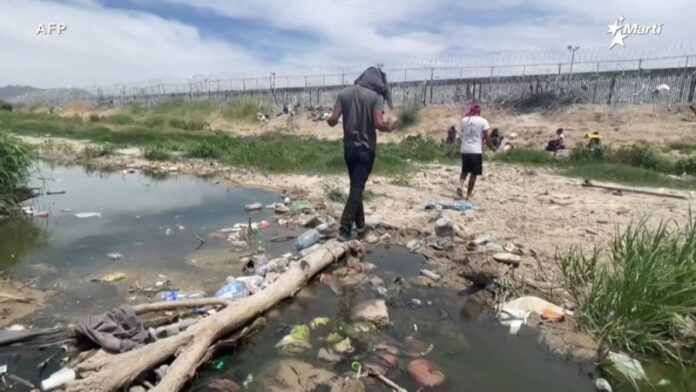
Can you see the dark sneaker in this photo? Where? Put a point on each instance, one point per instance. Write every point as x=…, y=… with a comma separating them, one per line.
x=343, y=238
x=361, y=233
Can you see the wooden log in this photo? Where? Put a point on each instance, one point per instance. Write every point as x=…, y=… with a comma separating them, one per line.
x=588, y=184
x=111, y=372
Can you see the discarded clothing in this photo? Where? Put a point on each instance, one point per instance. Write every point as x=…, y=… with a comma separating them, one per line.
x=457, y=205
x=118, y=330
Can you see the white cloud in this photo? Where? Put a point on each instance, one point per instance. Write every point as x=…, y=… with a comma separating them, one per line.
x=105, y=45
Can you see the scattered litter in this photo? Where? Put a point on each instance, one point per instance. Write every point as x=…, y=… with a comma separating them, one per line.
x=58, y=379
x=344, y=346
x=300, y=205
x=444, y=227
x=319, y=322
x=552, y=315
x=333, y=338
x=372, y=222
x=114, y=256
x=49, y=193
x=425, y=373
x=480, y=240
x=416, y=302
x=430, y=274
x=235, y=289
x=3, y=369
x=66, y=210
x=42, y=214
x=169, y=296
x=307, y=239
x=591, y=231
x=297, y=340
x=282, y=238
x=181, y=227
x=602, y=385
x=628, y=367
x=280, y=208
x=111, y=277
x=83, y=215
x=253, y=207
x=513, y=318
x=168, y=232
x=536, y=305
x=507, y=258
x=449, y=205
x=374, y=311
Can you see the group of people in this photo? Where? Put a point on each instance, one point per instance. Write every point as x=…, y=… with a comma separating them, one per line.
x=361, y=107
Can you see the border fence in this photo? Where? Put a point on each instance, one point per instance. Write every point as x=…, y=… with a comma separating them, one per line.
x=604, y=81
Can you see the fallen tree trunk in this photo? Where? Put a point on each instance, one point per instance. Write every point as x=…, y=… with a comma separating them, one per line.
x=111, y=372
x=589, y=184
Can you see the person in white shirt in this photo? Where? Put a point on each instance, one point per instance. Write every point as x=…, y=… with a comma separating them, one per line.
x=474, y=134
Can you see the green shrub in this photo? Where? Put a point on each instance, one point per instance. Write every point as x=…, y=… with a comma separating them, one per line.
x=157, y=153
x=409, y=114
x=155, y=121
x=5, y=106
x=189, y=124
x=205, y=150
x=97, y=151
x=243, y=109
x=15, y=160
x=686, y=165
x=120, y=119
x=643, y=156
x=94, y=117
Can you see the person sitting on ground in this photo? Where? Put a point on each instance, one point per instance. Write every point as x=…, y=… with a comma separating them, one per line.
x=558, y=143
x=473, y=136
x=451, y=135
x=495, y=140
x=593, y=139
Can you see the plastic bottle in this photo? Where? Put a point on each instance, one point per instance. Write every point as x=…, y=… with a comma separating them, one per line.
x=235, y=289
x=307, y=239
x=171, y=295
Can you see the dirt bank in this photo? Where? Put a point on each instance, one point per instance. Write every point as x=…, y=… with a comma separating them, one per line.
x=655, y=125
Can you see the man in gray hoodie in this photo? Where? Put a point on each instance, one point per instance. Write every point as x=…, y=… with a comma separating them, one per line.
x=361, y=106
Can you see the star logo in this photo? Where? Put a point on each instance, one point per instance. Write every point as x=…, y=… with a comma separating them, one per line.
x=618, y=39
x=613, y=28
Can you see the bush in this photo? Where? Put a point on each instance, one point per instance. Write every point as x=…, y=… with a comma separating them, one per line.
x=543, y=101
x=686, y=165
x=205, y=150
x=157, y=153
x=120, y=119
x=409, y=114
x=5, y=106
x=583, y=154
x=155, y=121
x=97, y=151
x=642, y=156
x=15, y=160
x=189, y=124
x=94, y=117
x=243, y=109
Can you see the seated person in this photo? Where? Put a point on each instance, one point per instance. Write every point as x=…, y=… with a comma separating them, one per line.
x=593, y=139
x=451, y=135
x=558, y=143
x=495, y=140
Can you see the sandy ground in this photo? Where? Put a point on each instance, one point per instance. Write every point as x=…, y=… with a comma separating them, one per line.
x=619, y=125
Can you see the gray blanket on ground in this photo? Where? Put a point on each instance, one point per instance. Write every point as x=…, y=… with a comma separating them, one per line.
x=376, y=80
x=118, y=330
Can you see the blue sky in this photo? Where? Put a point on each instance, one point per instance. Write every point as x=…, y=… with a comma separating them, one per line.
x=120, y=41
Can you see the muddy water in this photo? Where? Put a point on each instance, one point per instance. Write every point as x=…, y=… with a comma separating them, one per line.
x=64, y=253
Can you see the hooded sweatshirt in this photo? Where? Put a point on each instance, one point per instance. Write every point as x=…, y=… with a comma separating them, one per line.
x=376, y=80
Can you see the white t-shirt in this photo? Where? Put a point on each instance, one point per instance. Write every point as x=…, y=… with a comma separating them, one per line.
x=472, y=134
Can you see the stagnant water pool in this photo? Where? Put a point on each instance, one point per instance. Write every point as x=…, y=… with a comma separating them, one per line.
x=151, y=222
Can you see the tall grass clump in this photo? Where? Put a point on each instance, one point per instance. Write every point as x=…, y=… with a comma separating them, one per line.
x=639, y=293
x=97, y=151
x=686, y=166
x=157, y=153
x=525, y=156
x=5, y=106
x=409, y=114
x=243, y=109
x=15, y=160
x=120, y=119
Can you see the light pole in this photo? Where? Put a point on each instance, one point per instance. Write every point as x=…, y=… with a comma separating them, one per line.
x=572, y=49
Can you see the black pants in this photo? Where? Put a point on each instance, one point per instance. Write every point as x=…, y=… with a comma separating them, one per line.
x=359, y=162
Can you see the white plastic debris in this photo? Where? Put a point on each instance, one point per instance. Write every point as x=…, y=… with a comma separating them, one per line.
x=513, y=318
x=602, y=385
x=83, y=215
x=629, y=367
x=536, y=305
x=114, y=256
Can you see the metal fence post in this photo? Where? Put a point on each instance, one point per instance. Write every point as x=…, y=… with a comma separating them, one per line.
x=243, y=84
x=323, y=81
x=305, y=84
x=432, y=77
x=597, y=66
x=343, y=79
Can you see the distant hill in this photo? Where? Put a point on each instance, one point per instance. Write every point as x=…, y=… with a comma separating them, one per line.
x=10, y=92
